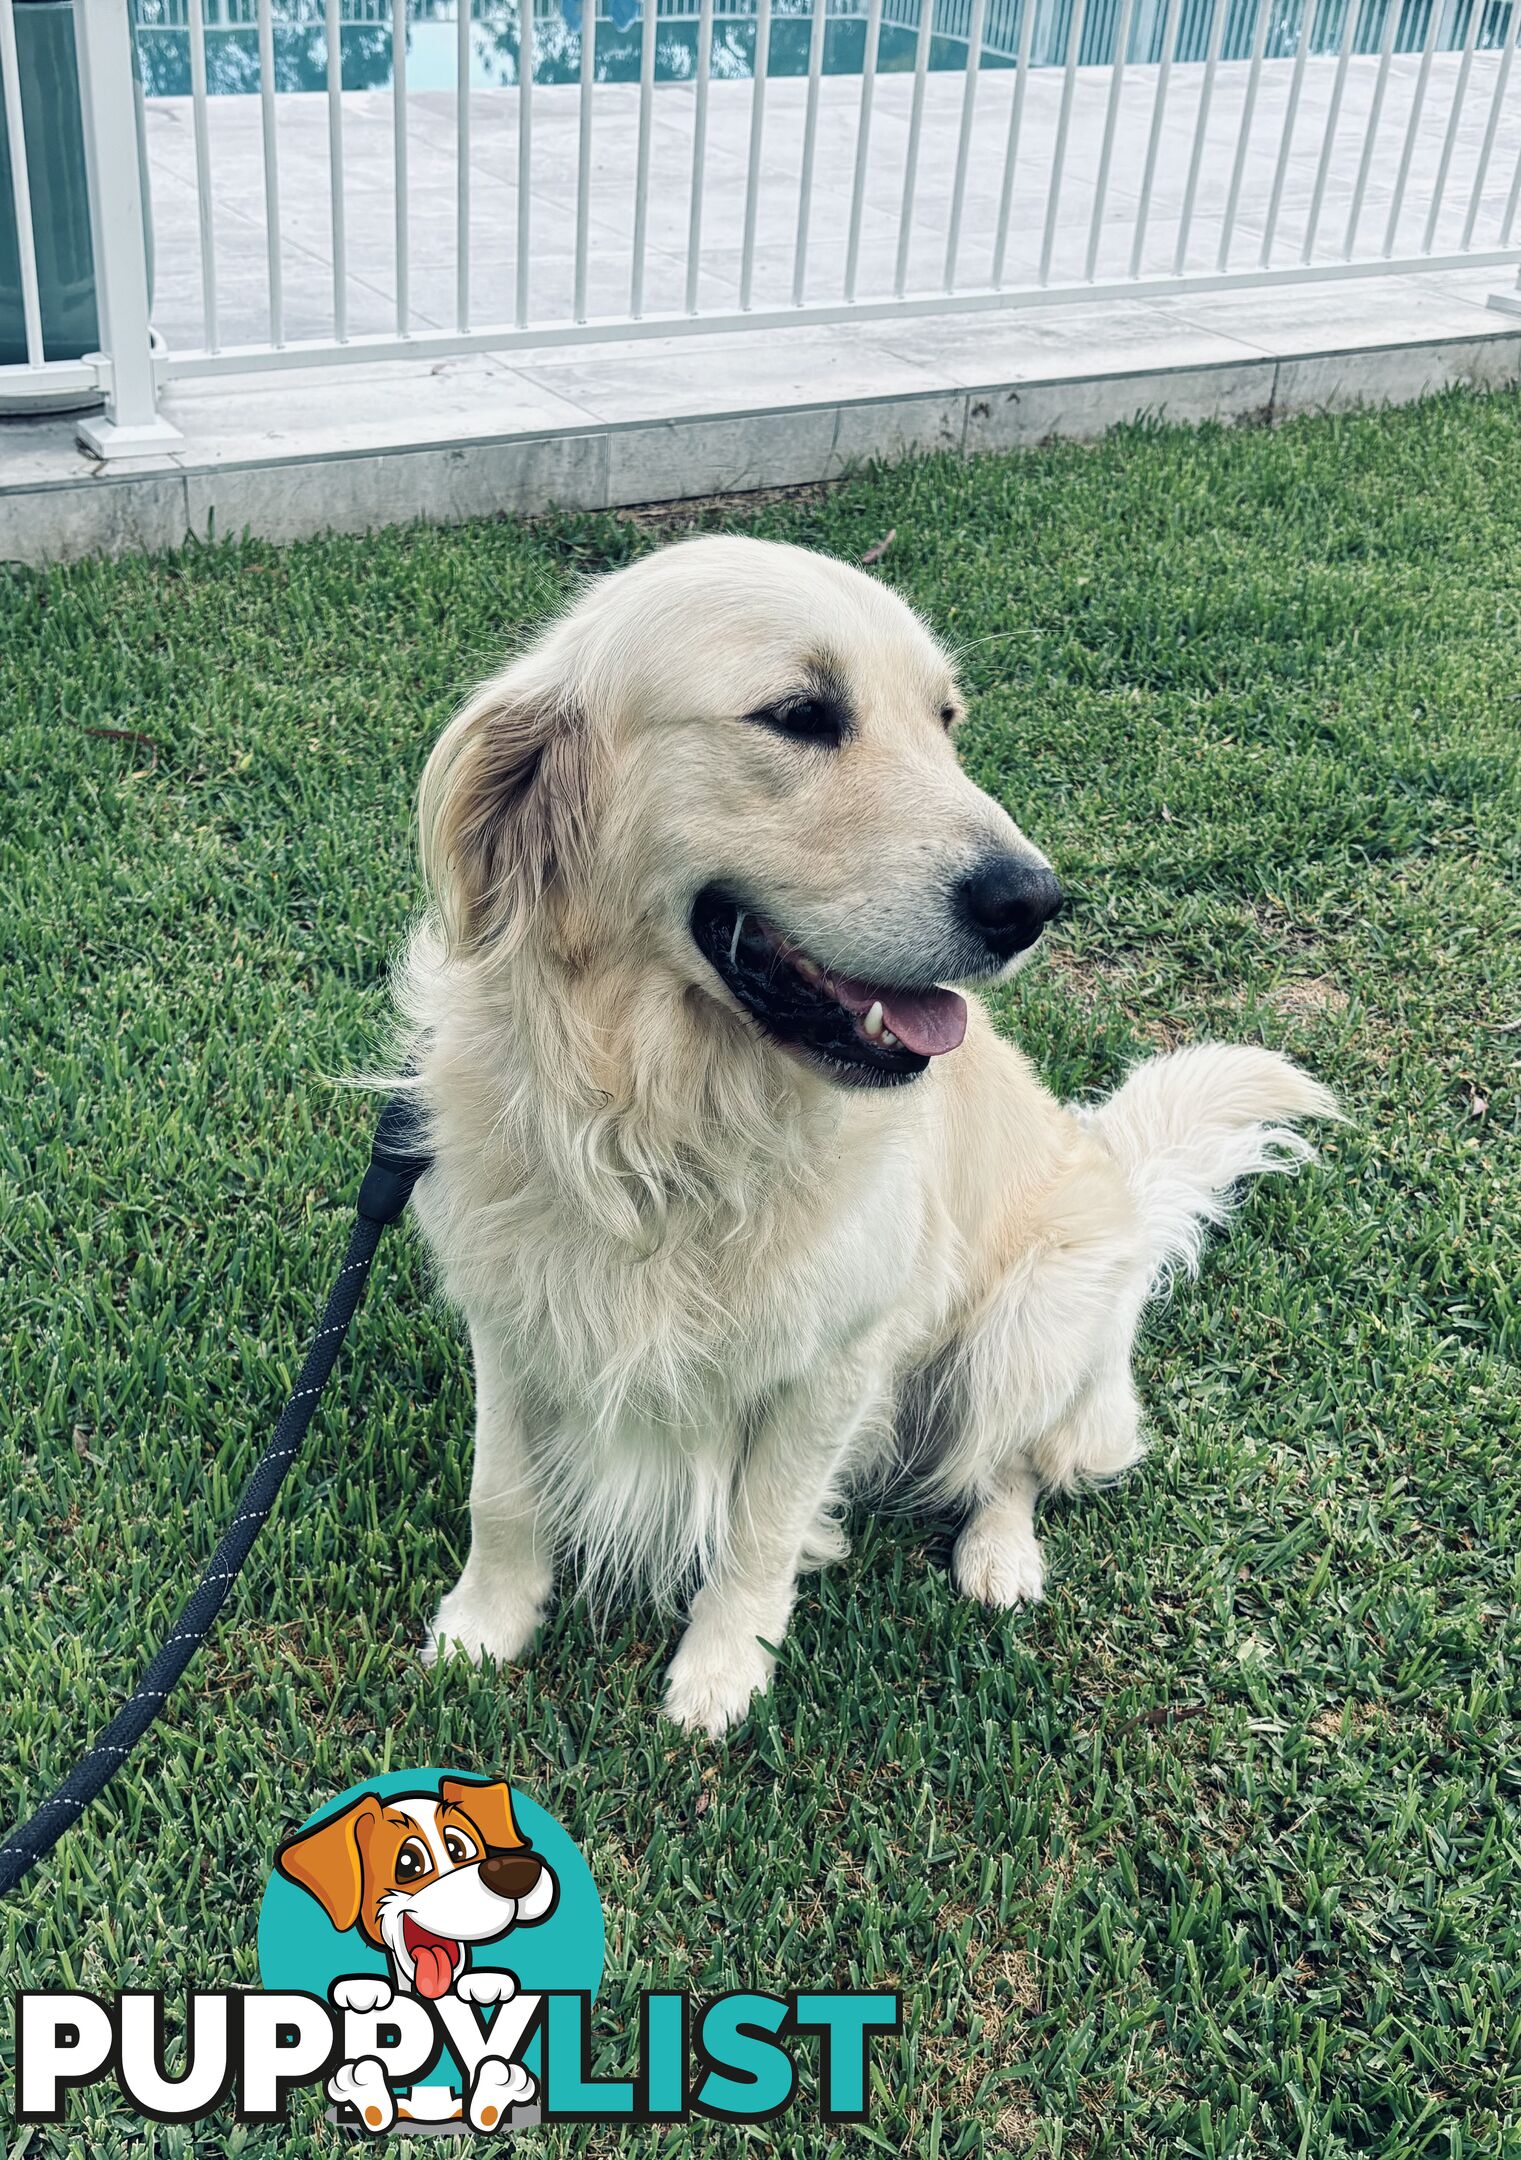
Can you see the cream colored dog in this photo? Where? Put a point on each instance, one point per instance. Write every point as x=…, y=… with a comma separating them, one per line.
x=744, y=1210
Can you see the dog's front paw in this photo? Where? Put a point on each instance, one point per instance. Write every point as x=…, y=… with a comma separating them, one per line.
x=999, y=1566
x=500, y=1624
x=496, y=2088
x=713, y=1679
x=362, y=2086
x=361, y=1992
x=488, y=1985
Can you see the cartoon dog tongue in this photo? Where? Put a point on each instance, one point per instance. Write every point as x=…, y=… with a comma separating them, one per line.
x=434, y=1960
x=435, y=1969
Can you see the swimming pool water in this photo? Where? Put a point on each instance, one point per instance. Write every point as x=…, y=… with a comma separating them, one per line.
x=300, y=52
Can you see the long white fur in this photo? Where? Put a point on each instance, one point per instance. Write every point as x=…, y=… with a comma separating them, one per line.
x=1189, y=1128
x=711, y=1292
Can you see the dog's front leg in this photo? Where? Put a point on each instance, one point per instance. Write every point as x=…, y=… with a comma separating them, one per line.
x=495, y=1608
x=998, y=1557
x=790, y=1472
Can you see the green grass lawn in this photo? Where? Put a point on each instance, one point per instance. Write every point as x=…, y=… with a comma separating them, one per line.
x=1214, y=1853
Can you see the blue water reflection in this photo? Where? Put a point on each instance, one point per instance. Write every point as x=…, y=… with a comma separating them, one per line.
x=300, y=50
x=300, y=42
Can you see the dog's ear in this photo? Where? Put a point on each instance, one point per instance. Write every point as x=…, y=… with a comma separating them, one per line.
x=489, y=1806
x=503, y=810
x=326, y=1860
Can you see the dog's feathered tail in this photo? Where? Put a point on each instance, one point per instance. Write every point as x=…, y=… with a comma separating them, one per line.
x=1187, y=1127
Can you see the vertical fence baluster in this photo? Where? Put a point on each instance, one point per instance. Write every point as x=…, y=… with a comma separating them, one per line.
x=588, y=82
x=1333, y=116
x=462, y=58
x=699, y=150
x=1027, y=15
x=1392, y=12
x=21, y=188
x=1491, y=128
x=1248, y=114
x=757, y=132
x=523, y=263
x=1111, y=122
x=1512, y=205
x=1063, y=128
x=1434, y=13
x=1201, y=129
x=926, y=32
x=1154, y=140
x=1449, y=139
x=810, y=144
x=642, y=159
x=271, y=175
x=334, y=26
x=975, y=31
x=964, y=140
x=1286, y=140
x=399, y=162
x=207, y=231
x=863, y=143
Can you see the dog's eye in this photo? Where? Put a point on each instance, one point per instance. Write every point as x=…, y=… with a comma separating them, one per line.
x=948, y=716
x=458, y=1847
x=412, y=1861
x=806, y=719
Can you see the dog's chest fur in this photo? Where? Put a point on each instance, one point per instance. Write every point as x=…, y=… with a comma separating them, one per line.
x=640, y=1364
x=708, y=1307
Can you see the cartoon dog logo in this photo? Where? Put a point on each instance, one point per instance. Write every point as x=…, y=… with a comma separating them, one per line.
x=423, y=1877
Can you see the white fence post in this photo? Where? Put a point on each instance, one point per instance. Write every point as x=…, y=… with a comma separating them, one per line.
x=1508, y=303
x=133, y=425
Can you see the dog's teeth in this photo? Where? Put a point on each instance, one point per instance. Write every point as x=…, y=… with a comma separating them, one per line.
x=873, y=1022
x=810, y=970
x=889, y=1039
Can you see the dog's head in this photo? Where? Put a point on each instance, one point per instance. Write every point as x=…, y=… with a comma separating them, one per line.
x=735, y=758
x=424, y=1875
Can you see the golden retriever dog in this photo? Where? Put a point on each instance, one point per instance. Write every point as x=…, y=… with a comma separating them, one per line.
x=747, y=1210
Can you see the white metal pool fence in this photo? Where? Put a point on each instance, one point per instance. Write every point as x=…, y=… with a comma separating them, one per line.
x=886, y=156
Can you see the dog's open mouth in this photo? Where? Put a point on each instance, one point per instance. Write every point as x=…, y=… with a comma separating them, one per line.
x=434, y=1957
x=868, y=1034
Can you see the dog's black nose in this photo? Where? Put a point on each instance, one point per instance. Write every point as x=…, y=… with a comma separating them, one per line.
x=1008, y=902
x=511, y=1873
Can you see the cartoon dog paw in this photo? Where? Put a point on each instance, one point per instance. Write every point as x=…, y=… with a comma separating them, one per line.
x=361, y=1992
x=496, y=2088
x=486, y=1987
x=362, y=2086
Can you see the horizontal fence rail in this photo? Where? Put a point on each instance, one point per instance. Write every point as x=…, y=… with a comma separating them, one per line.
x=337, y=180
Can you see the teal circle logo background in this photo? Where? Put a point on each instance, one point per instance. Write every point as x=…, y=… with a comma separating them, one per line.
x=299, y=1948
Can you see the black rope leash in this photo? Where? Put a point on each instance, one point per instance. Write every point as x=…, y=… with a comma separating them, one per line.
x=397, y=1160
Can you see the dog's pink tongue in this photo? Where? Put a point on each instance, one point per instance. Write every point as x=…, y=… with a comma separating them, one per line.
x=435, y=1969
x=928, y=1022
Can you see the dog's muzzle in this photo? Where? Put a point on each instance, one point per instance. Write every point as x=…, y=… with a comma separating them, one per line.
x=860, y=1033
